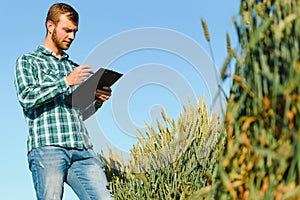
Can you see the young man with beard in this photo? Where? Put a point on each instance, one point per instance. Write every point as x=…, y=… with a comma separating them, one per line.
x=59, y=148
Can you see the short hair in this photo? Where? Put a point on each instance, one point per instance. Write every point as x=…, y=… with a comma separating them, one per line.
x=58, y=9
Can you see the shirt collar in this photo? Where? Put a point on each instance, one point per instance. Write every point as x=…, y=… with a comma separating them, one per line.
x=49, y=52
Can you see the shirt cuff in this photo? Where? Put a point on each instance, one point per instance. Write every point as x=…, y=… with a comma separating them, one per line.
x=63, y=85
x=97, y=105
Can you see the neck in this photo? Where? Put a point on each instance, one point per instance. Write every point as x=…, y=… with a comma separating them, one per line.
x=51, y=45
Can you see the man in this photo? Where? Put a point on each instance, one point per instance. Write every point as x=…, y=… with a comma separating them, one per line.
x=59, y=149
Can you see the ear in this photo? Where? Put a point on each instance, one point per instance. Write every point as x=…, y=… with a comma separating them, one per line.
x=50, y=26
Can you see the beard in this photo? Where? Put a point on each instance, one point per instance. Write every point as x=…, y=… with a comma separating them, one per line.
x=59, y=43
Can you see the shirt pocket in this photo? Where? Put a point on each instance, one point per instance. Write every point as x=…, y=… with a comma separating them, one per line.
x=51, y=75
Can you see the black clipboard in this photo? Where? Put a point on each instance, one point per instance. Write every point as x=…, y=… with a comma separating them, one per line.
x=84, y=94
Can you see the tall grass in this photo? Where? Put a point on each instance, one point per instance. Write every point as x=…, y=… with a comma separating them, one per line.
x=171, y=162
x=262, y=155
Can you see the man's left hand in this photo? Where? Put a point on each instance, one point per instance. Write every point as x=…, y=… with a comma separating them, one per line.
x=103, y=94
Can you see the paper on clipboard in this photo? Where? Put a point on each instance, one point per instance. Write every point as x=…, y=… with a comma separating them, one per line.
x=84, y=94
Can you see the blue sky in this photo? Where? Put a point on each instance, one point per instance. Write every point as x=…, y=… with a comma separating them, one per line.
x=155, y=77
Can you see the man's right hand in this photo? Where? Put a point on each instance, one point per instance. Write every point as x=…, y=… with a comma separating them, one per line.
x=79, y=74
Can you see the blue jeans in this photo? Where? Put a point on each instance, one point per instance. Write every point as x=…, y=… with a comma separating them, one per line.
x=52, y=166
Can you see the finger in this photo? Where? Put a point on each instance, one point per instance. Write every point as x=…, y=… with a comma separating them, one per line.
x=85, y=74
x=100, y=92
x=102, y=98
x=102, y=95
x=85, y=69
x=106, y=88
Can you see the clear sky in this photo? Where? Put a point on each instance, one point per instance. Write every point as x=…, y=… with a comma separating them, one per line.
x=154, y=43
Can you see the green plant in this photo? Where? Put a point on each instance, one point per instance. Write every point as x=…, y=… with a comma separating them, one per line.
x=261, y=159
x=171, y=162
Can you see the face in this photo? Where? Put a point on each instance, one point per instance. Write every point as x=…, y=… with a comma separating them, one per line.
x=64, y=33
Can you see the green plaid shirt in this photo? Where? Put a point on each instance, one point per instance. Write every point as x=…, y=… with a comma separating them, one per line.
x=40, y=80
